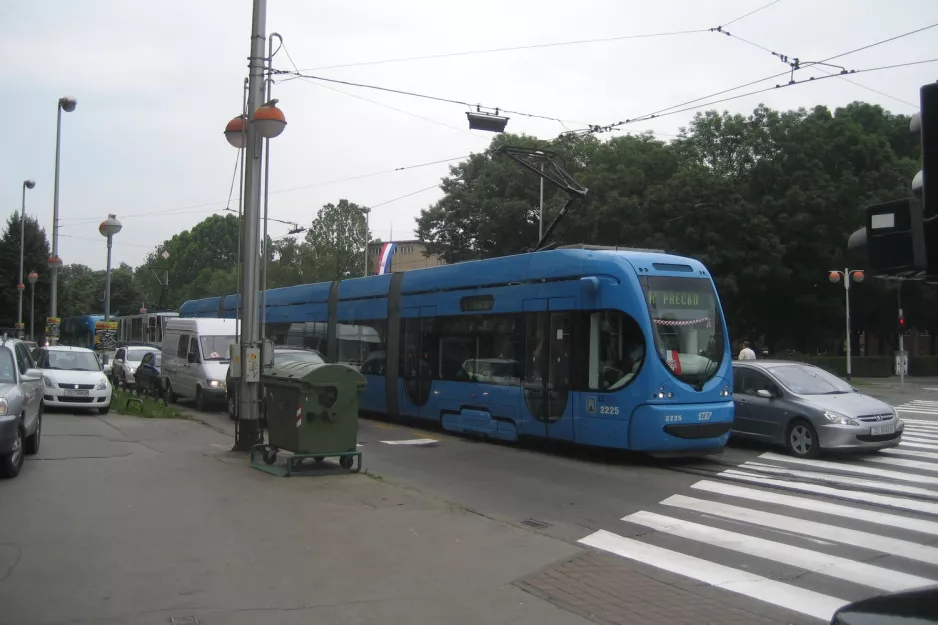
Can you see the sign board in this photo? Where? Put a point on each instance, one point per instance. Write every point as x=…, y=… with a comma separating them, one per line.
x=52, y=327
x=105, y=335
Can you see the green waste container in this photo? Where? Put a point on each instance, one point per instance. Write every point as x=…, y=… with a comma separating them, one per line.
x=312, y=410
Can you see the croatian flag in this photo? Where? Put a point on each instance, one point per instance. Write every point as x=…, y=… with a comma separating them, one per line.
x=384, y=258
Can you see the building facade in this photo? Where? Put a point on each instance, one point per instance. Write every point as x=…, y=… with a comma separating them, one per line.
x=407, y=255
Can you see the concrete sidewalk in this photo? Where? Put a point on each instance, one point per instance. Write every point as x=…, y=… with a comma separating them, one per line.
x=123, y=520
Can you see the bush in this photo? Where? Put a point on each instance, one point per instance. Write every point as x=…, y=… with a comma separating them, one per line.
x=923, y=365
x=148, y=408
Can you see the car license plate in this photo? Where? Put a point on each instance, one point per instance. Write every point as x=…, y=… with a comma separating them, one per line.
x=74, y=393
x=882, y=429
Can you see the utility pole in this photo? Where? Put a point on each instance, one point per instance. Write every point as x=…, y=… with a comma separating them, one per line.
x=540, y=212
x=247, y=431
x=367, y=212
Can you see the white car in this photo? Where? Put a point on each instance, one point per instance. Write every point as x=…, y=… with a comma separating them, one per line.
x=72, y=378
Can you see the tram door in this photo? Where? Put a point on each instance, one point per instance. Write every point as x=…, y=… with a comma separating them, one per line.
x=419, y=360
x=547, y=375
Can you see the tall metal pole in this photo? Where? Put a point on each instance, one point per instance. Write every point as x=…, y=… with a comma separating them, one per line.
x=367, y=212
x=238, y=270
x=54, y=308
x=847, y=291
x=540, y=212
x=107, y=282
x=32, y=311
x=264, y=250
x=247, y=426
x=21, y=285
x=901, y=345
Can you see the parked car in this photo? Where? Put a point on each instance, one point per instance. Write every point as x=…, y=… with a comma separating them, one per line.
x=73, y=378
x=908, y=607
x=808, y=410
x=147, y=377
x=196, y=357
x=21, y=406
x=282, y=355
x=127, y=361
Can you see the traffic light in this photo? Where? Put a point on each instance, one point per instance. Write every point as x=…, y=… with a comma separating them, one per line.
x=901, y=323
x=901, y=236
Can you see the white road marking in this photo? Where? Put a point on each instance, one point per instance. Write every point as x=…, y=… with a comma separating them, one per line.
x=846, y=479
x=918, y=445
x=916, y=439
x=824, y=507
x=851, y=468
x=898, y=503
x=814, y=561
x=856, y=538
x=413, y=441
x=909, y=452
x=725, y=577
x=902, y=462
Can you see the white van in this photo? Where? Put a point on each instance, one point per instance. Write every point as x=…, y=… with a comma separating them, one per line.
x=196, y=358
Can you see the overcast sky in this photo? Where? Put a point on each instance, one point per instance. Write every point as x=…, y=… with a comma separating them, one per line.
x=156, y=82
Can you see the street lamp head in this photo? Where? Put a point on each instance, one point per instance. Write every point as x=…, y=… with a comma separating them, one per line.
x=29, y=184
x=20, y=287
x=68, y=104
x=110, y=226
x=269, y=120
x=858, y=276
x=32, y=277
x=236, y=132
x=55, y=262
x=834, y=276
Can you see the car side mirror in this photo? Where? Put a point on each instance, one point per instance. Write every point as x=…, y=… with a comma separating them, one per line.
x=855, y=389
x=764, y=394
x=33, y=375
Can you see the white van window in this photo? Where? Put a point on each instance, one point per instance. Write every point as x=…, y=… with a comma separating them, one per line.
x=216, y=347
x=183, y=347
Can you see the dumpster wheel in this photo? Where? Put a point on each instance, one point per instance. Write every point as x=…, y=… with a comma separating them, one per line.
x=270, y=455
x=346, y=462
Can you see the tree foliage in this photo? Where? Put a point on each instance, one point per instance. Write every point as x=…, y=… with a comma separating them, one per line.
x=35, y=258
x=766, y=201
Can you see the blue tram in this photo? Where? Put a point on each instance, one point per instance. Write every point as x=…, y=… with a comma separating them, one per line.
x=597, y=346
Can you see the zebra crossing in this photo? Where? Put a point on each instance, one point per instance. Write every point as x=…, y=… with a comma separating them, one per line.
x=806, y=535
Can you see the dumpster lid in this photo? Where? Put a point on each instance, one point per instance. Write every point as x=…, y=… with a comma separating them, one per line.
x=313, y=373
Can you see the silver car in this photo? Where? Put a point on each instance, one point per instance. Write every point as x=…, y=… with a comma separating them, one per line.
x=808, y=410
x=20, y=406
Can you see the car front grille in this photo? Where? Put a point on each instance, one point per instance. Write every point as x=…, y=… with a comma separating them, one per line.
x=876, y=418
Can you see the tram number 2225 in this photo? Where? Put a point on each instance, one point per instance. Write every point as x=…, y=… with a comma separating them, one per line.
x=608, y=410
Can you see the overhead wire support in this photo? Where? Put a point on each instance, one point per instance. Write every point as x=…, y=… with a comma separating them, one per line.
x=544, y=164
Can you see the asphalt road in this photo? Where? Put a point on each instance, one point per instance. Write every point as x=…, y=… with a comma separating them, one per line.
x=699, y=517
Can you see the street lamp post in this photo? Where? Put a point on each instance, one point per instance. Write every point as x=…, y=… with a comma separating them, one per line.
x=27, y=184
x=847, y=276
x=68, y=105
x=367, y=213
x=32, y=277
x=265, y=121
x=108, y=228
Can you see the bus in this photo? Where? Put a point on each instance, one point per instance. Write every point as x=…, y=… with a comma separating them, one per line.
x=143, y=327
x=78, y=331
x=597, y=346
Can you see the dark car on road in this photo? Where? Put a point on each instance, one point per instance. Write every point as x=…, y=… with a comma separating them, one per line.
x=282, y=354
x=808, y=410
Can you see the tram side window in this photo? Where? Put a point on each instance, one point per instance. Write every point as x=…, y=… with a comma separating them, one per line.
x=361, y=341
x=616, y=350
x=483, y=348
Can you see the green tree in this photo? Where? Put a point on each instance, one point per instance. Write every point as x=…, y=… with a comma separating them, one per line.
x=335, y=243
x=35, y=258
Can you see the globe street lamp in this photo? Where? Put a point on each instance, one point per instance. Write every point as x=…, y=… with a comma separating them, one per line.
x=27, y=184
x=68, y=105
x=847, y=276
x=108, y=228
x=32, y=277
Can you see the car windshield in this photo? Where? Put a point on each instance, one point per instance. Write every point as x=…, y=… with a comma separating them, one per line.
x=285, y=357
x=807, y=380
x=71, y=361
x=215, y=347
x=688, y=326
x=7, y=371
x=136, y=354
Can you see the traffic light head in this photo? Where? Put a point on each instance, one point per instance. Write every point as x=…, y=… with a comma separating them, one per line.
x=901, y=323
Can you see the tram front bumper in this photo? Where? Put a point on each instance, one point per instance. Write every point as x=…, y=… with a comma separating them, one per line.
x=691, y=428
